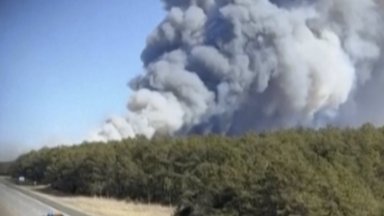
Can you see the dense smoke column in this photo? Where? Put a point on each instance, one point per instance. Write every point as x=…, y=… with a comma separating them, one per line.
x=229, y=66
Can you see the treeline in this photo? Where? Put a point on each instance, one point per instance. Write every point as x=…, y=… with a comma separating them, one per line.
x=4, y=168
x=327, y=172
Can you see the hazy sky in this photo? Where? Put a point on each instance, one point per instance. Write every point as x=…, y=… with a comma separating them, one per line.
x=65, y=64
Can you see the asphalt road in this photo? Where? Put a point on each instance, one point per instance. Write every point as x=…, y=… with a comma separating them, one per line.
x=15, y=201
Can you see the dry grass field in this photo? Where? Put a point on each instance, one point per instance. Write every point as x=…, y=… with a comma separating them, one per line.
x=96, y=206
x=101, y=207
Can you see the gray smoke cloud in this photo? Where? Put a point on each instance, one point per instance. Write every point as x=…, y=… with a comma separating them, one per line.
x=230, y=66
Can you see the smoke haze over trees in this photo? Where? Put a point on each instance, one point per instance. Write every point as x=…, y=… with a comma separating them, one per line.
x=231, y=66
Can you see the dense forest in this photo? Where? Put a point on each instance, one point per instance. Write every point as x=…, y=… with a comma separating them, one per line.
x=326, y=172
x=4, y=168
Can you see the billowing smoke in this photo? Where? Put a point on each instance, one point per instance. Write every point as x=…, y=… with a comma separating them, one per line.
x=230, y=66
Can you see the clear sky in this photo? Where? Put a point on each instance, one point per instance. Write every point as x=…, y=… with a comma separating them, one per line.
x=65, y=65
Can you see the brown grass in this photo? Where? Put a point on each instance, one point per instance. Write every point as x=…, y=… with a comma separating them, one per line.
x=102, y=206
x=97, y=206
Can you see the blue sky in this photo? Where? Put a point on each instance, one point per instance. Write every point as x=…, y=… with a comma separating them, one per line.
x=65, y=64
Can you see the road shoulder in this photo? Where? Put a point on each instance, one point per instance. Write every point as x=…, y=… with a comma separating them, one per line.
x=65, y=209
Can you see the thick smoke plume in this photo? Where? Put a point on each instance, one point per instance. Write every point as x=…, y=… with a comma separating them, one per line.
x=230, y=66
